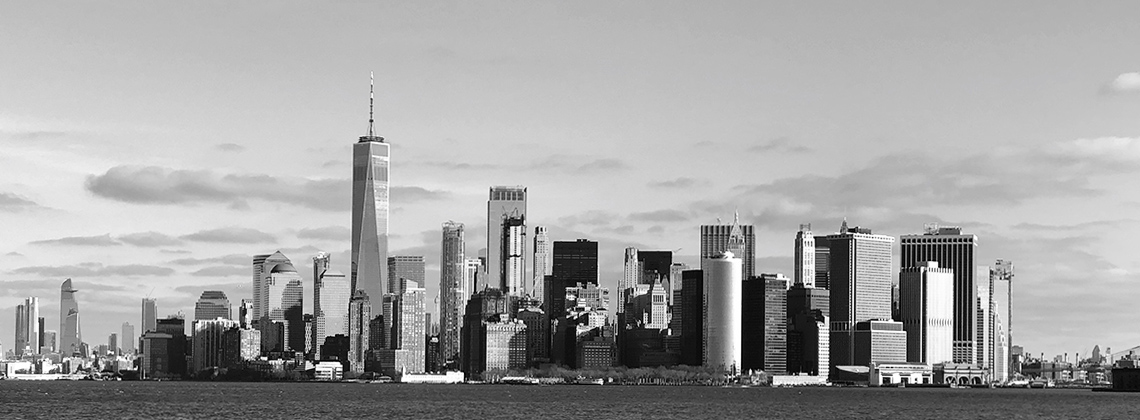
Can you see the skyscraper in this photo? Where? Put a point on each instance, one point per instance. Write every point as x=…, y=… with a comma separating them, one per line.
x=860, y=289
x=404, y=268
x=370, y=160
x=331, y=294
x=736, y=238
x=150, y=314
x=822, y=263
x=723, y=298
x=926, y=309
x=28, y=327
x=951, y=249
x=453, y=291
x=574, y=262
x=474, y=275
x=409, y=330
x=506, y=215
x=1002, y=273
x=543, y=262
x=212, y=304
x=359, y=316
x=805, y=258
x=630, y=278
x=70, y=336
x=128, y=336
x=764, y=324
x=281, y=301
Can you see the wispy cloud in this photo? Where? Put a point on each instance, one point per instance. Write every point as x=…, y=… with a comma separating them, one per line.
x=157, y=185
x=99, y=240
x=679, y=183
x=12, y=203
x=328, y=233
x=221, y=271
x=230, y=147
x=95, y=270
x=1124, y=83
x=231, y=259
x=230, y=235
x=149, y=239
x=779, y=145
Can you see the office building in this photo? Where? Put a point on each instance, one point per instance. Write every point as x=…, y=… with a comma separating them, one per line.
x=809, y=344
x=403, y=269
x=804, y=258
x=484, y=305
x=409, y=331
x=370, y=161
x=277, y=285
x=149, y=314
x=722, y=312
x=692, y=317
x=128, y=338
x=738, y=239
x=453, y=291
x=878, y=341
x=209, y=343
x=164, y=350
x=332, y=291
x=537, y=335
x=926, y=309
x=213, y=304
x=543, y=262
x=574, y=263
x=822, y=262
x=951, y=249
x=359, y=316
x=113, y=344
x=70, y=336
x=474, y=275
x=503, y=343
x=860, y=290
x=764, y=324
x=506, y=229
x=28, y=337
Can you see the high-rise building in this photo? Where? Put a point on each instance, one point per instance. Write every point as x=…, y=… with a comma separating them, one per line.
x=281, y=302
x=164, y=349
x=70, y=335
x=28, y=327
x=370, y=160
x=212, y=304
x=805, y=258
x=537, y=335
x=245, y=313
x=692, y=317
x=331, y=293
x=926, y=309
x=359, y=317
x=403, y=269
x=860, y=290
x=630, y=278
x=128, y=337
x=113, y=344
x=150, y=314
x=736, y=238
x=808, y=344
x=506, y=215
x=574, y=263
x=209, y=343
x=764, y=324
x=483, y=306
x=409, y=330
x=952, y=249
x=543, y=262
x=474, y=275
x=453, y=291
x=822, y=262
x=878, y=341
x=722, y=312
x=504, y=344
x=1002, y=273
x=51, y=342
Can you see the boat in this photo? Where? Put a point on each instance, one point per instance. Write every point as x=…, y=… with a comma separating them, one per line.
x=1038, y=383
x=519, y=380
x=594, y=381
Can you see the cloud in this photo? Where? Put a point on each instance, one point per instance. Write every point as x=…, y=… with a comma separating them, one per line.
x=588, y=218
x=461, y=166
x=230, y=235
x=603, y=165
x=222, y=271
x=230, y=147
x=678, y=183
x=158, y=185
x=1124, y=83
x=231, y=259
x=415, y=194
x=664, y=215
x=328, y=233
x=100, y=240
x=12, y=203
x=14, y=254
x=174, y=251
x=95, y=270
x=149, y=239
x=779, y=145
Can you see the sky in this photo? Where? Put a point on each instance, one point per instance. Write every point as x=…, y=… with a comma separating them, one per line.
x=151, y=148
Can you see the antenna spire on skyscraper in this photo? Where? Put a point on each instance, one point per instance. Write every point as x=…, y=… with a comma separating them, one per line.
x=371, y=95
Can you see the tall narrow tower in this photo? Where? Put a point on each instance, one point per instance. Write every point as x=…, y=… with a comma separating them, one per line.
x=453, y=291
x=68, y=320
x=506, y=230
x=370, y=160
x=805, y=258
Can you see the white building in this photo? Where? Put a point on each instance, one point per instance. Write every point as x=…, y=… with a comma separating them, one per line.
x=722, y=311
x=926, y=309
x=805, y=258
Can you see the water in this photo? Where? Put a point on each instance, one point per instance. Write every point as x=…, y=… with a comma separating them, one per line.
x=66, y=399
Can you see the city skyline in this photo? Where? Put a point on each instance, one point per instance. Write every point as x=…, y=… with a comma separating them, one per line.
x=175, y=199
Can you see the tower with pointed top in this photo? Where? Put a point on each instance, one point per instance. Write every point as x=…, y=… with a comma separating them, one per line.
x=736, y=238
x=70, y=338
x=370, y=161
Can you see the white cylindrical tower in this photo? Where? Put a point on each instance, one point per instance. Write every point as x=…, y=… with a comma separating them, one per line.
x=722, y=278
